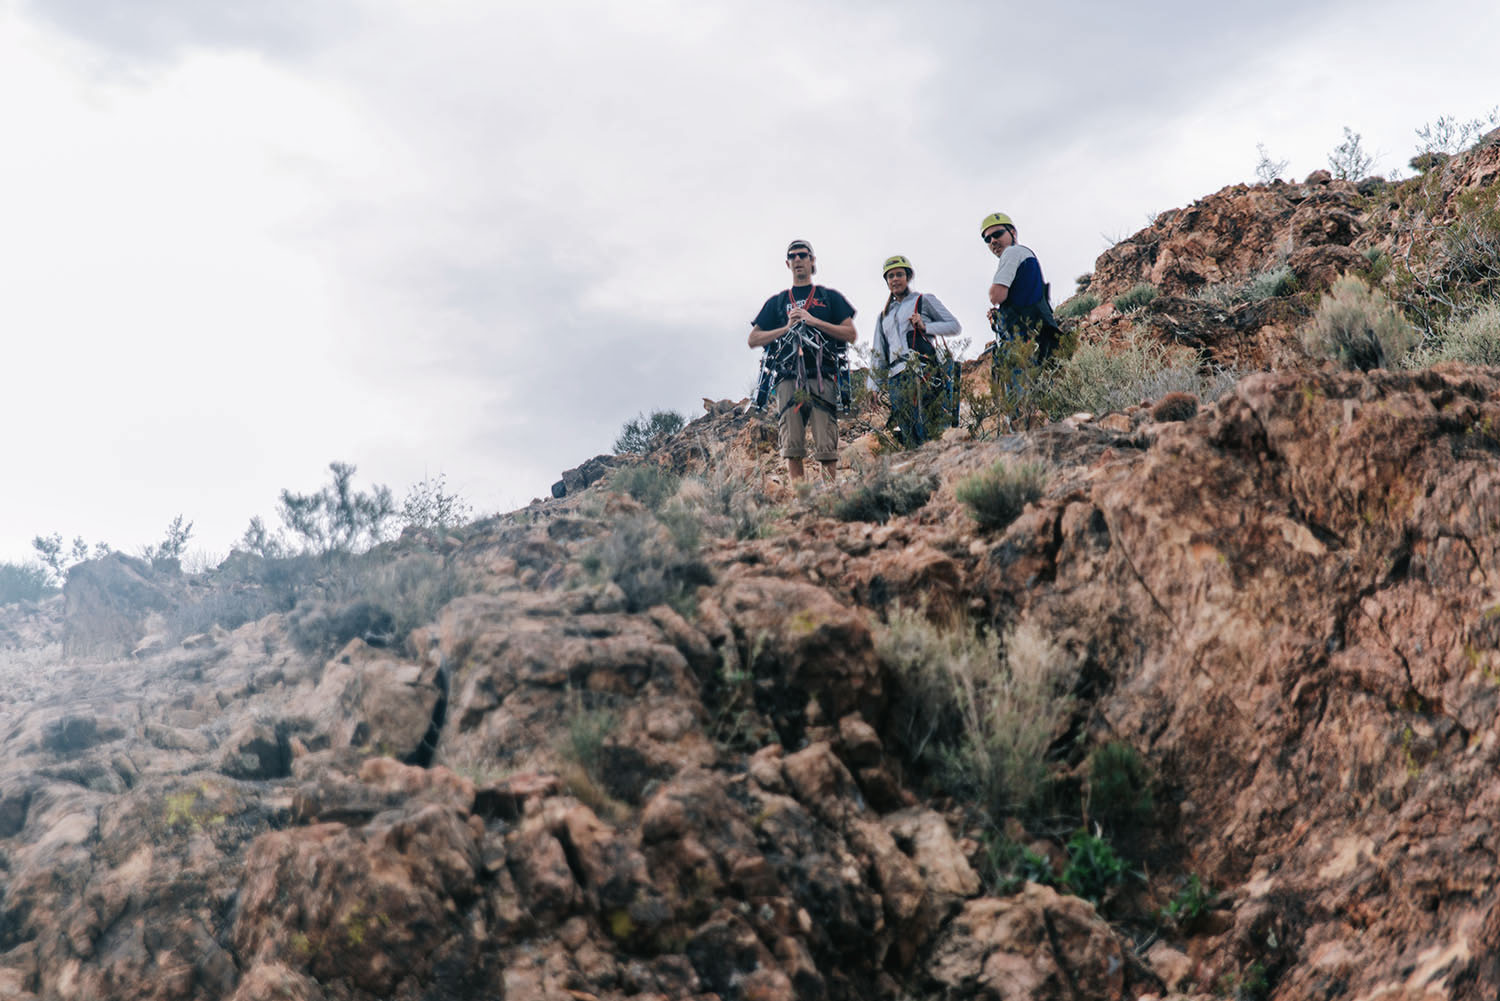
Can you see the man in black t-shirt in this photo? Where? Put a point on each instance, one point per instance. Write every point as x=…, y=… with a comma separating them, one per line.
x=805, y=330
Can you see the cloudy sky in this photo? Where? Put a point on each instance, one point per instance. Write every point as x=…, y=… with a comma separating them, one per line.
x=472, y=237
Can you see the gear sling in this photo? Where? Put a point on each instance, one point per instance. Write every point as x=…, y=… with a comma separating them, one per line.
x=787, y=357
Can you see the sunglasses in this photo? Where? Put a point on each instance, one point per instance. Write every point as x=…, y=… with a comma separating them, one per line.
x=997, y=234
x=797, y=255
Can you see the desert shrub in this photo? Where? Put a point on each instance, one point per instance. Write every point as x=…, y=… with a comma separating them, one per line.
x=1136, y=298
x=915, y=402
x=1222, y=294
x=727, y=503
x=978, y=407
x=1423, y=162
x=1194, y=900
x=58, y=559
x=1474, y=340
x=323, y=627
x=1277, y=281
x=1119, y=788
x=642, y=435
x=1267, y=169
x=412, y=586
x=1175, y=407
x=1358, y=328
x=997, y=496
x=1349, y=161
x=586, y=734
x=649, y=562
x=380, y=596
x=583, y=744
x=1449, y=135
x=24, y=582
x=977, y=712
x=1454, y=268
x=167, y=554
x=336, y=518
x=1006, y=866
x=1099, y=377
x=1081, y=304
x=882, y=495
x=646, y=482
x=227, y=607
x=1093, y=869
x=429, y=505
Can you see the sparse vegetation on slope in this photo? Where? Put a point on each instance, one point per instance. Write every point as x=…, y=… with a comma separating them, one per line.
x=979, y=709
x=997, y=496
x=643, y=435
x=1358, y=328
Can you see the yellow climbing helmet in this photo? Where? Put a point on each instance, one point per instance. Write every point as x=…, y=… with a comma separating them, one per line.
x=995, y=219
x=899, y=261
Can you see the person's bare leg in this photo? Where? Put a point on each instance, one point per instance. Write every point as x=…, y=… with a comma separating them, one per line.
x=794, y=469
x=830, y=470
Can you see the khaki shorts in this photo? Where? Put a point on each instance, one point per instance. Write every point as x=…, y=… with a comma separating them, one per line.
x=795, y=421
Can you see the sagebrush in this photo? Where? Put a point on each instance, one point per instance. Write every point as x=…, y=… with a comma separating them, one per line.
x=1136, y=298
x=642, y=435
x=1474, y=340
x=651, y=561
x=1358, y=328
x=997, y=496
x=976, y=710
x=24, y=582
x=881, y=495
x=1100, y=377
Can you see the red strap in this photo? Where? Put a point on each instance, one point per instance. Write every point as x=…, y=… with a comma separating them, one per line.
x=792, y=299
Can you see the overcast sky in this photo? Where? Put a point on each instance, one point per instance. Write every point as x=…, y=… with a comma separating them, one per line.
x=472, y=237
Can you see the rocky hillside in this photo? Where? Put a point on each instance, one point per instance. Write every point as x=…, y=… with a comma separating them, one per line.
x=687, y=733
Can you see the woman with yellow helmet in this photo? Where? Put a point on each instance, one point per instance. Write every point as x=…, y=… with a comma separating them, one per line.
x=906, y=351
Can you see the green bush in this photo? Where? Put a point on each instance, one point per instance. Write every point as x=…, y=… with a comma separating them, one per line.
x=1093, y=868
x=1273, y=283
x=1222, y=294
x=1349, y=161
x=588, y=730
x=1081, y=304
x=1136, y=298
x=727, y=504
x=57, y=559
x=168, y=552
x=651, y=563
x=1194, y=900
x=412, y=586
x=882, y=495
x=642, y=435
x=1006, y=866
x=1119, y=789
x=1357, y=328
x=977, y=714
x=24, y=582
x=1100, y=378
x=429, y=505
x=997, y=496
x=1474, y=340
x=647, y=482
x=335, y=519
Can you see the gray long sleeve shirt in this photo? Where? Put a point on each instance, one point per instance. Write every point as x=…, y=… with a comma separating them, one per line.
x=893, y=328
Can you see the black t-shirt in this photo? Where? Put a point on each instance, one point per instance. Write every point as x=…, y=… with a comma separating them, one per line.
x=826, y=304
